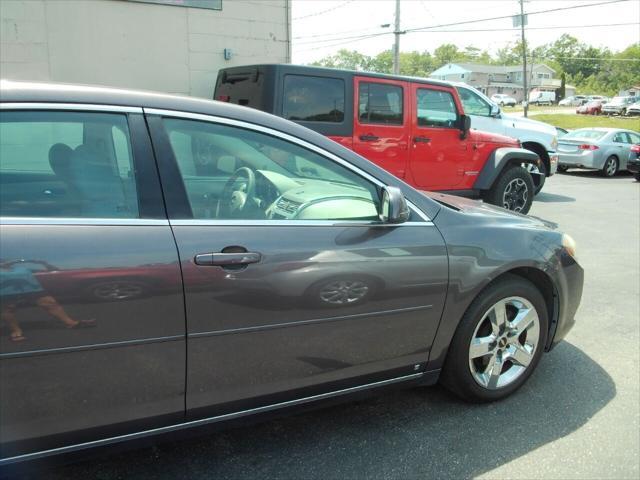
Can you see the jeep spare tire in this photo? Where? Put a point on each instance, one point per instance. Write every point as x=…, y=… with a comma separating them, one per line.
x=513, y=190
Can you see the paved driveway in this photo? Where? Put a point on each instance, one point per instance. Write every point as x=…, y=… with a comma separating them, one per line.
x=577, y=417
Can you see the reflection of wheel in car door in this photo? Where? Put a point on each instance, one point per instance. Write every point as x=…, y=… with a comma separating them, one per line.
x=117, y=289
x=341, y=291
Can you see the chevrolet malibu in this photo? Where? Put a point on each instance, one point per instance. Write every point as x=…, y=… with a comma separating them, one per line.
x=170, y=263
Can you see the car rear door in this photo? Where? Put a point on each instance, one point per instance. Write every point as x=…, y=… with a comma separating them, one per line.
x=381, y=122
x=282, y=305
x=92, y=338
x=438, y=154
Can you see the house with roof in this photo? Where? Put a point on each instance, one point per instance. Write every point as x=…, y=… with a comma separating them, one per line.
x=491, y=79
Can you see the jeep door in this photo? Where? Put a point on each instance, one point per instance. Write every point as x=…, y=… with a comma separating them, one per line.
x=92, y=335
x=437, y=158
x=293, y=288
x=382, y=125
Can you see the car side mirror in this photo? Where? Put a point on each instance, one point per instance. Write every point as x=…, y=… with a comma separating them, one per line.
x=495, y=111
x=465, y=126
x=394, y=206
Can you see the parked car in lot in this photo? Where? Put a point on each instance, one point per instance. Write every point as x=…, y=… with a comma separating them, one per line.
x=633, y=165
x=414, y=128
x=537, y=97
x=215, y=202
x=618, y=105
x=633, y=109
x=604, y=149
x=503, y=100
x=597, y=97
x=538, y=137
x=592, y=107
x=573, y=101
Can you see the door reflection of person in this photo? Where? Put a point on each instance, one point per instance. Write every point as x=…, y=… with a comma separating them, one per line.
x=19, y=286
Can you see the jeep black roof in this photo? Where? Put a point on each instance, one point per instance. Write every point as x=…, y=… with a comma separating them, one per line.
x=307, y=69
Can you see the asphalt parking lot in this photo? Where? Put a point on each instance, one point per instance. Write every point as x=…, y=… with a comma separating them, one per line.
x=577, y=417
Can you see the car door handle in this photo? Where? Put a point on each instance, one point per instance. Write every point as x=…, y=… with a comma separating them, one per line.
x=421, y=140
x=369, y=138
x=227, y=259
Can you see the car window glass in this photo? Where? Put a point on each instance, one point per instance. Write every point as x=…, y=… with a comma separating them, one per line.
x=474, y=104
x=380, y=103
x=240, y=174
x=315, y=99
x=620, y=137
x=585, y=134
x=634, y=138
x=66, y=164
x=436, y=108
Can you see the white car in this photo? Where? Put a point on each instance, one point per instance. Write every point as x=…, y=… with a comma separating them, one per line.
x=502, y=100
x=538, y=137
x=573, y=101
x=633, y=109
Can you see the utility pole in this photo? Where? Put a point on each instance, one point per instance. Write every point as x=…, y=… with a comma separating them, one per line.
x=524, y=60
x=396, y=45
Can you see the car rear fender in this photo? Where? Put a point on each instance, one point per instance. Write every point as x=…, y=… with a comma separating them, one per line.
x=500, y=159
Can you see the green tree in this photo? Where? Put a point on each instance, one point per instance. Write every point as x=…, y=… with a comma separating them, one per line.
x=346, y=60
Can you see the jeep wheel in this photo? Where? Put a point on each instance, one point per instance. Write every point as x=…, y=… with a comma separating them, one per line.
x=562, y=168
x=512, y=190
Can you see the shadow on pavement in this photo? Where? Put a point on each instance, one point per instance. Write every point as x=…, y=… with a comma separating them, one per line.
x=546, y=197
x=425, y=433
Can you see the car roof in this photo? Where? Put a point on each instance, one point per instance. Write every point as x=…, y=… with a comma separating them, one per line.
x=309, y=69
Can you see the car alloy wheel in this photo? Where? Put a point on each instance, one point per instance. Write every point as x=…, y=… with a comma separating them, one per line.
x=515, y=195
x=610, y=166
x=344, y=292
x=504, y=343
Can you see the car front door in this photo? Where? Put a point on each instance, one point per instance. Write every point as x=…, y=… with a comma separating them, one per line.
x=92, y=339
x=292, y=286
x=381, y=122
x=479, y=110
x=438, y=154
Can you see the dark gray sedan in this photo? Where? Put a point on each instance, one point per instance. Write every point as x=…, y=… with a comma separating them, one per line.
x=170, y=263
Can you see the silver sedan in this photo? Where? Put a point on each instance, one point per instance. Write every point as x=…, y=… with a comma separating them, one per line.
x=604, y=149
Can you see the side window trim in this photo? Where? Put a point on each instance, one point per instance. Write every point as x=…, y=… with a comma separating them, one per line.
x=177, y=204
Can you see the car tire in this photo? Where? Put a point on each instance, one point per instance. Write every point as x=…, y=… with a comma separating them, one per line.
x=610, y=167
x=472, y=374
x=623, y=112
x=562, y=168
x=637, y=177
x=512, y=190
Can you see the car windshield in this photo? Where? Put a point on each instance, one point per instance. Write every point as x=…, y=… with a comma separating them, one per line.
x=619, y=100
x=585, y=134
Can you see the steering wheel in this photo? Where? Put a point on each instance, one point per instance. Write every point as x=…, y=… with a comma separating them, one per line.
x=233, y=198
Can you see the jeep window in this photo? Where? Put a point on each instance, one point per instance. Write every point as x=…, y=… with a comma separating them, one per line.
x=313, y=99
x=474, y=104
x=380, y=103
x=436, y=108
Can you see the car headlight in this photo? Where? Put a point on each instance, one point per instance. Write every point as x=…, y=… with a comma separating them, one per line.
x=569, y=245
x=554, y=143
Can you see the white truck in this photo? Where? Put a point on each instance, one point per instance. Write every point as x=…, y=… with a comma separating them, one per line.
x=538, y=137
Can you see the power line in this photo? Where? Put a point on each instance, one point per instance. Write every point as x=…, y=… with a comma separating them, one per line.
x=325, y=11
x=466, y=22
x=551, y=27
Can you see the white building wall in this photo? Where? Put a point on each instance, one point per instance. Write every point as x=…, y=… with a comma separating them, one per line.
x=138, y=45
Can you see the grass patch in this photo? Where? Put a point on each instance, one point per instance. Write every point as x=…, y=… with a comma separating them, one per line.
x=571, y=122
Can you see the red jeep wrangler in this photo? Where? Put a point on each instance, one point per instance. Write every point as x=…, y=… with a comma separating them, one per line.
x=414, y=128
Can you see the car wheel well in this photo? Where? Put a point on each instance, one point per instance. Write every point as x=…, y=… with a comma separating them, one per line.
x=541, y=151
x=541, y=281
